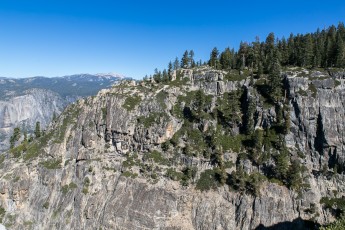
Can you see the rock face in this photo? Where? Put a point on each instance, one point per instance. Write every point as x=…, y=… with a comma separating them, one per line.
x=23, y=102
x=97, y=166
x=24, y=111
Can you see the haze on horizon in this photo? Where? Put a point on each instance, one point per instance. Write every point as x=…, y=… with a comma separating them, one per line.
x=135, y=37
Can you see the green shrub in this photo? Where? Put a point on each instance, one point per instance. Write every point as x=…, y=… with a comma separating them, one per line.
x=313, y=89
x=173, y=175
x=207, y=180
x=2, y=213
x=151, y=119
x=156, y=157
x=32, y=151
x=66, y=188
x=46, y=205
x=131, y=102
x=161, y=96
x=129, y=174
x=104, y=113
x=337, y=83
x=2, y=158
x=333, y=203
x=52, y=164
x=337, y=225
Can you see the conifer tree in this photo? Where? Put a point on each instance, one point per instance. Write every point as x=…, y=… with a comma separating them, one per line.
x=15, y=137
x=214, y=61
x=269, y=51
x=340, y=52
x=274, y=78
x=38, y=129
x=191, y=59
x=185, y=60
x=226, y=59
x=170, y=68
x=176, y=64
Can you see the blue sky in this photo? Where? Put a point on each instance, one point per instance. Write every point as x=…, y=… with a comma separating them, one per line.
x=55, y=38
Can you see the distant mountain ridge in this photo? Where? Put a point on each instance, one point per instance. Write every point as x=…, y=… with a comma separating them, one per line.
x=83, y=84
x=24, y=101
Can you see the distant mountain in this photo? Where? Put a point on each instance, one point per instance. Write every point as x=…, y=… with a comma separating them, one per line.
x=24, y=101
x=73, y=85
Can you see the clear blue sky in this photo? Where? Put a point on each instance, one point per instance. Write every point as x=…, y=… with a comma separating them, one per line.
x=55, y=38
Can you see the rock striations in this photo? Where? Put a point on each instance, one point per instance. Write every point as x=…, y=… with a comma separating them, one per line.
x=121, y=160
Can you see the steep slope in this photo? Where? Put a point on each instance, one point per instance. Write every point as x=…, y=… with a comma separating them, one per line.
x=177, y=156
x=25, y=101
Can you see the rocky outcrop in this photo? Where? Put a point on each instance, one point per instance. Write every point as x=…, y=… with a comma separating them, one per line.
x=25, y=101
x=37, y=105
x=93, y=169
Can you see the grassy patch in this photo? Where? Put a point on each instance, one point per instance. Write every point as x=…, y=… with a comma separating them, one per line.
x=70, y=117
x=32, y=152
x=2, y=159
x=313, y=89
x=52, y=164
x=151, y=119
x=172, y=174
x=86, y=185
x=337, y=83
x=233, y=143
x=333, y=203
x=129, y=174
x=104, y=113
x=131, y=102
x=156, y=157
x=2, y=213
x=207, y=180
x=161, y=96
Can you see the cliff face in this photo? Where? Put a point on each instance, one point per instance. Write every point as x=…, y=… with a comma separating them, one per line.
x=25, y=101
x=119, y=160
x=37, y=105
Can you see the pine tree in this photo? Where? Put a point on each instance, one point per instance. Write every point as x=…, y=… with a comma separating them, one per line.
x=242, y=55
x=295, y=179
x=249, y=116
x=230, y=109
x=282, y=165
x=316, y=60
x=170, y=68
x=291, y=50
x=226, y=59
x=269, y=51
x=214, y=61
x=38, y=129
x=157, y=76
x=339, y=52
x=307, y=50
x=185, y=60
x=176, y=64
x=165, y=76
x=191, y=59
x=15, y=137
x=274, y=78
x=25, y=136
x=256, y=53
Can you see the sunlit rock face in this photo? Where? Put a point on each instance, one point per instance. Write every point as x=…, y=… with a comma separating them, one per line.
x=93, y=168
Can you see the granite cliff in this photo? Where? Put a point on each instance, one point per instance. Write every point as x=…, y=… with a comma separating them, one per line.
x=25, y=101
x=185, y=155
